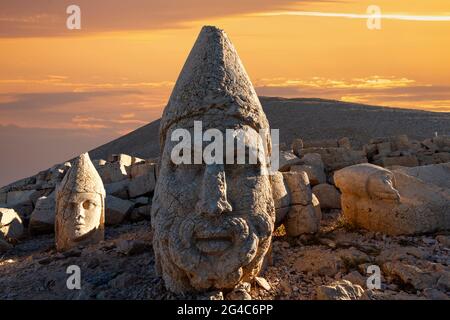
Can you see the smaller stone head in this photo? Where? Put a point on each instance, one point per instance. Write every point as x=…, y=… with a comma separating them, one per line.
x=80, y=206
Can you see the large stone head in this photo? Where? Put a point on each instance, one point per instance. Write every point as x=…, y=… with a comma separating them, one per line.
x=212, y=220
x=80, y=206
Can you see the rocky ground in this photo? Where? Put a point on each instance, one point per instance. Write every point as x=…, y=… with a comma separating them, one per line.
x=122, y=266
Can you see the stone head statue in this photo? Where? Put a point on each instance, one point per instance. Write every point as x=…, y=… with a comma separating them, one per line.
x=80, y=206
x=212, y=222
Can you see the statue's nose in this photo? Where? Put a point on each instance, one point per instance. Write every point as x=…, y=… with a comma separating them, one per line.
x=213, y=198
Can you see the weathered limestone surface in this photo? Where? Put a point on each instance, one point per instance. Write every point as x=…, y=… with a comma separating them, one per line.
x=117, y=210
x=212, y=228
x=437, y=174
x=392, y=202
x=329, y=197
x=42, y=219
x=281, y=197
x=80, y=206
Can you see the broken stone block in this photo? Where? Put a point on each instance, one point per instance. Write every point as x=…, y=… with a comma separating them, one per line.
x=118, y=189
x=313, y=165
x=142, y=168
x=11, y=226
x=42, y=219
x=121, y=158
x=113, y=172
x=400, y=142
x=117, y=210
x=286, y=160
x=302, y=220
x=404, y=161
x=338, y=158
x=299, y=187
x=315, y=174
x=329, y=197
x=142, y=185
x=281, y=197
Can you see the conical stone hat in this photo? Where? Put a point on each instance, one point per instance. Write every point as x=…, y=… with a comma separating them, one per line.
x=213, y=78
x=82, y=177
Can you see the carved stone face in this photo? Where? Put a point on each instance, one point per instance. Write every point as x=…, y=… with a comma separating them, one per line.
x=82, y=214
x=212, y=223
x=80, y=206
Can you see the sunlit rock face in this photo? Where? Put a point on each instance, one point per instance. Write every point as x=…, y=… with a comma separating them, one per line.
x=212, y=223
x=80, y=206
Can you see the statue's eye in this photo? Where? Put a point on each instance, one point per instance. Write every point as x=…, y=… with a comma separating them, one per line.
x=88, y=205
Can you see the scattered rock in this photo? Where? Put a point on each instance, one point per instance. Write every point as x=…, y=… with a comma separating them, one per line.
x=131, y=247
x=42, y=219
x=341, y=290
x=329, y=197
x=117, y=210
x=263, y=283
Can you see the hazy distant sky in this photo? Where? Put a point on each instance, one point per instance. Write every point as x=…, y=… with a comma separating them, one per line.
x=63, y=92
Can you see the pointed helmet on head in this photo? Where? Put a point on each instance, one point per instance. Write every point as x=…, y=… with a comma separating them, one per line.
x=213, y=78
x=82, y=177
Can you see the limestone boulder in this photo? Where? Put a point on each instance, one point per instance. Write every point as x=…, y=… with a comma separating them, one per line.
x=113, y=172
x=118, y=189
x=335, y=158
x=302, y=220
x=142, y=185
x=117, y=210
x=142, y=168
x=329, y=197
x=404, y=161
x=392, y=202
x=341, y=290
x=299, y=187
x=11, y=226
x=281, y=197
x=286, y=160
x=42, y=219
x=313, y=165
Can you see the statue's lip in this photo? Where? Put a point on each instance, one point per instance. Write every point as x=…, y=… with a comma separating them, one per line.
x=213, y=245
x=213, y=241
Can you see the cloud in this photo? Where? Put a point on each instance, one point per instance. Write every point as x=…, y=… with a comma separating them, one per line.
x=25, y=18
x=404, y=17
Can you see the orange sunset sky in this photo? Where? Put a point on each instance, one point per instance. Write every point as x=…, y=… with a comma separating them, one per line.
x=64, y=91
